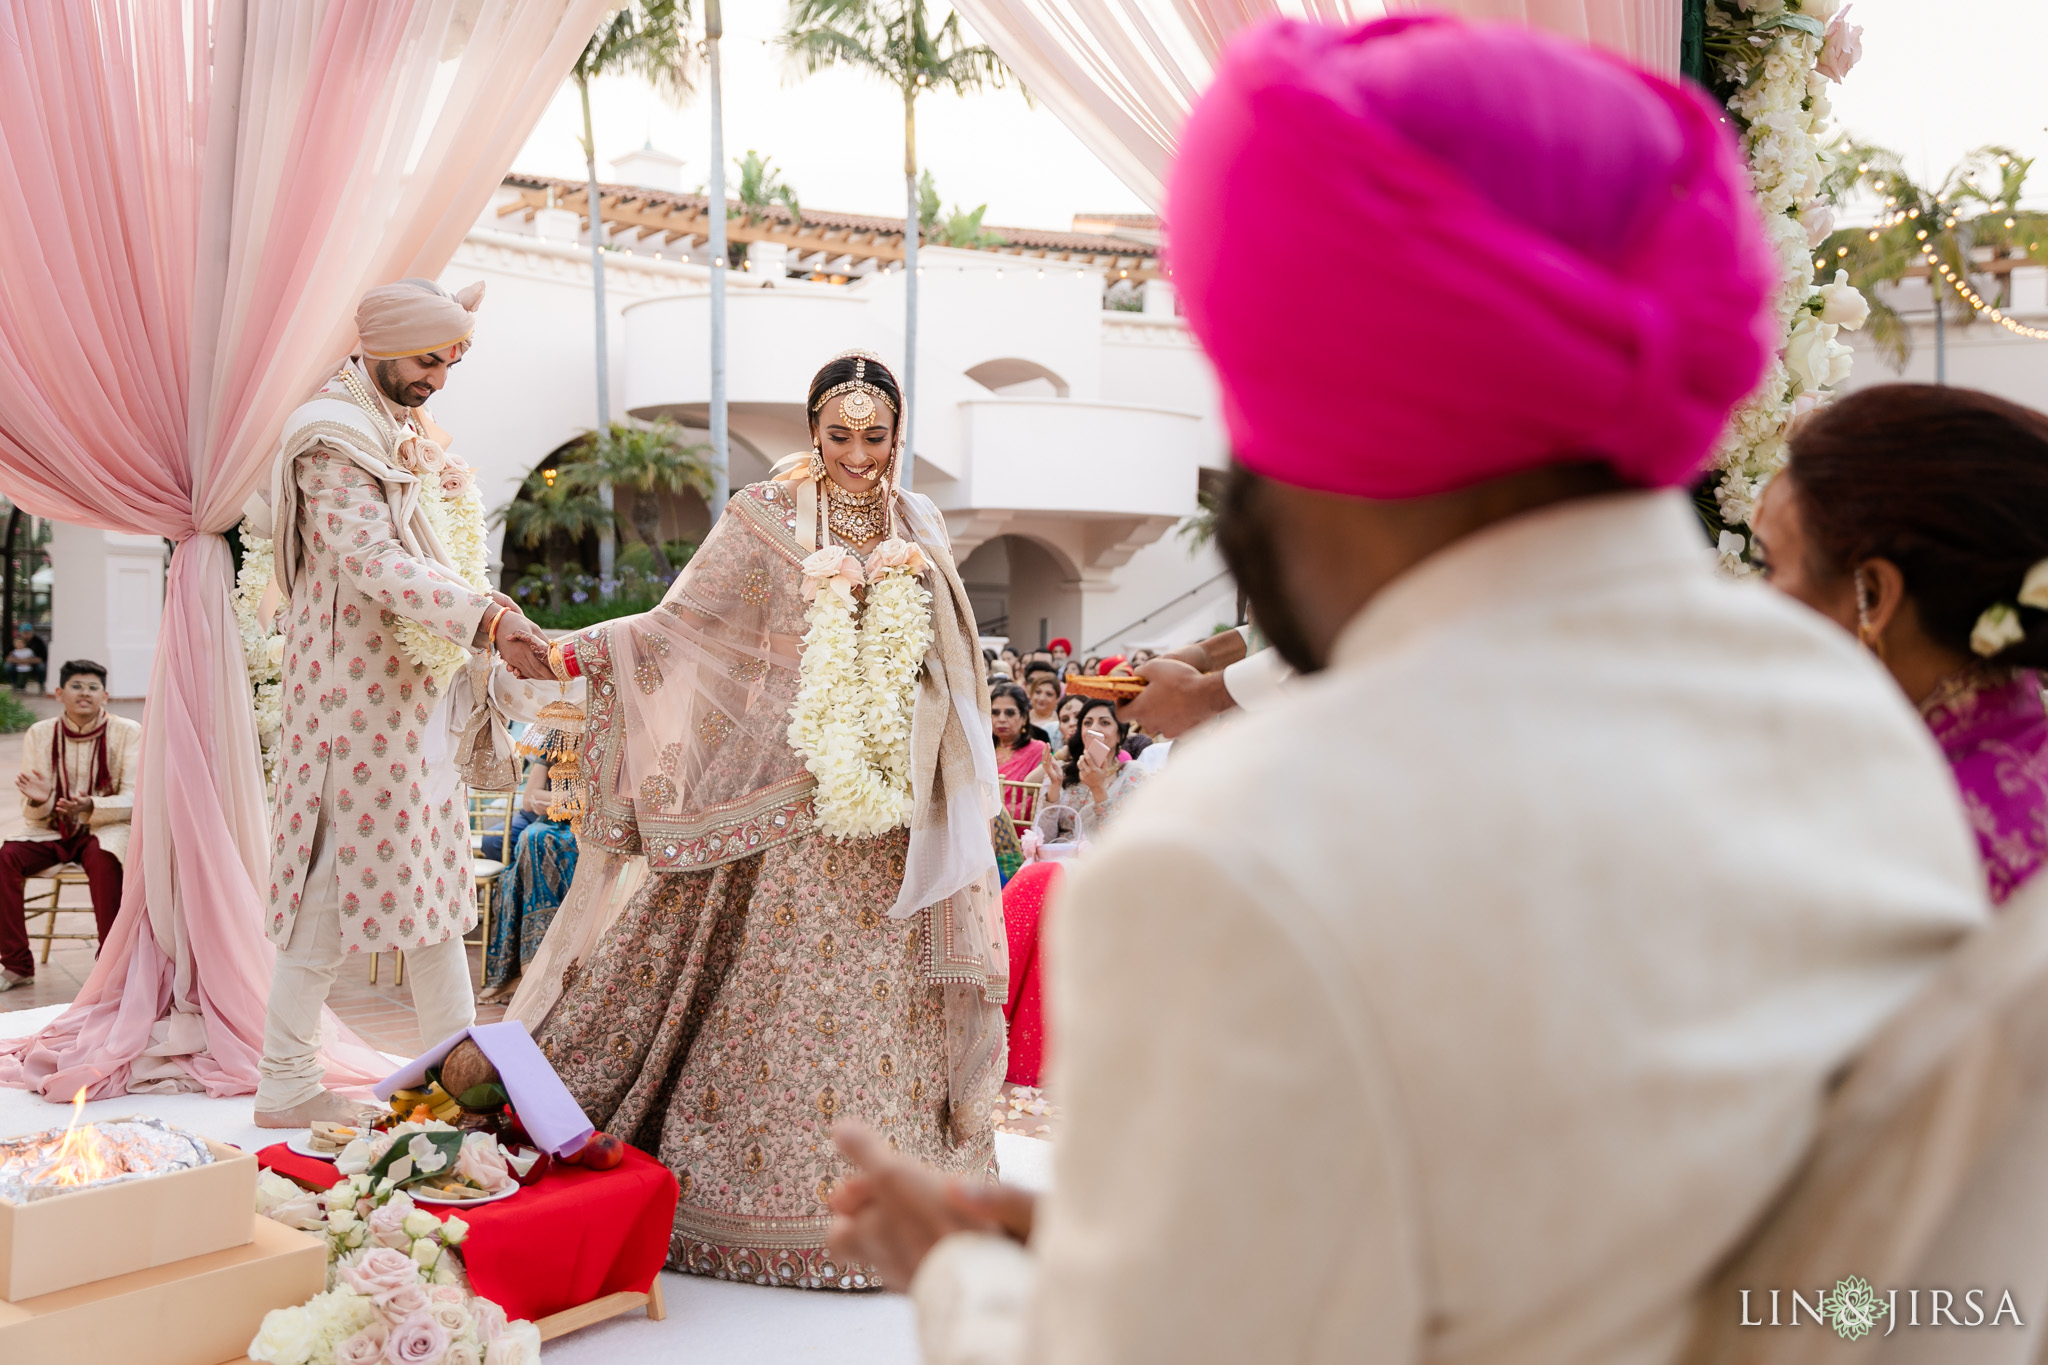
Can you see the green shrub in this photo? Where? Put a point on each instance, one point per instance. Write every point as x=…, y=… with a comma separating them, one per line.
x=15, y=715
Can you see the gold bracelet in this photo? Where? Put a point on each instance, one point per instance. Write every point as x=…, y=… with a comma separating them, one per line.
x=495, y=620
x=556, y=664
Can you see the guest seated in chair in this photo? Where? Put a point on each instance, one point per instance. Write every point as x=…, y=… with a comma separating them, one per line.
x=531, y=889
x=77, y=787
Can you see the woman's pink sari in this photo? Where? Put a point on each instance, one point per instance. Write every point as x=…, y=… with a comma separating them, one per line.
x=1025, y=765
x=1023, y=909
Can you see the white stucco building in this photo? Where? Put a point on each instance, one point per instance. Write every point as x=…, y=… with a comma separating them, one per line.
x=1063, y=439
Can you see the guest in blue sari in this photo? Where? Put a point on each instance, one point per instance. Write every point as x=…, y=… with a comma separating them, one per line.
x=531, y=889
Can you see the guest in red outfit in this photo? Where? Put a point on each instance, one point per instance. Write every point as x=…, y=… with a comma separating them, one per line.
x=77, y=787
x=1023, y=904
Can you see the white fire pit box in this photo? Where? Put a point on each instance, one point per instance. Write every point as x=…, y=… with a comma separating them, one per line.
x=95, y=1234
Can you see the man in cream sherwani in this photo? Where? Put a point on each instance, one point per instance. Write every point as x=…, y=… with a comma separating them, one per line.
x=369, y=833
x=1472, y=1000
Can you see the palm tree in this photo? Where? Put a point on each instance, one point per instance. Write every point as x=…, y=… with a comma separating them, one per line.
x=557, y=512
x=762, y=185
x=894, y=39
x=650, y=459
x=646, y=38
x=962, y=227
x=1974, y=206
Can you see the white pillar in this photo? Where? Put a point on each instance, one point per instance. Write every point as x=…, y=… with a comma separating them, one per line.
x=1157, y=296
x=106, y=603
x=557, y=225
x=769, y=260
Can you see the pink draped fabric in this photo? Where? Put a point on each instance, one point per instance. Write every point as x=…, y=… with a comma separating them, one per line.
x=1122, y=74
x=192, y=197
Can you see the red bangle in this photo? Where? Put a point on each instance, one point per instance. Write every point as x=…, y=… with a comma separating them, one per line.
x=569, y=659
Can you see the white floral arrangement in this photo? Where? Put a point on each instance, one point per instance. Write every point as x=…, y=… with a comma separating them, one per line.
x=395, y=1295
x=1780, y=55
x=262, y=645
x=851, y=720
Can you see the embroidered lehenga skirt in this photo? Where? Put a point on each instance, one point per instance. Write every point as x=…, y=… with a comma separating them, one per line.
x=731, y=1016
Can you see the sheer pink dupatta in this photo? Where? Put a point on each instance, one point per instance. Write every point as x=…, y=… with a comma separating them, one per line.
x=191, y=199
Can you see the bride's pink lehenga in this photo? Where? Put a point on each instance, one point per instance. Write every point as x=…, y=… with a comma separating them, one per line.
x=757, y=987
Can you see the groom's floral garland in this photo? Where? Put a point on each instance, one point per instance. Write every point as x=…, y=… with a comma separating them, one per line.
x=1772, y=60
x=851, y=721
x=453, y=507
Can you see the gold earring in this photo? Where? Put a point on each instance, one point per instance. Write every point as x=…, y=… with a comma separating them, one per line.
x=817, y=464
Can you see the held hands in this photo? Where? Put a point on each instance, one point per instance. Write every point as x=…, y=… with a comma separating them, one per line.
x=891, y=1214
x=36, y=789
x=76, y=809
x=523, y=648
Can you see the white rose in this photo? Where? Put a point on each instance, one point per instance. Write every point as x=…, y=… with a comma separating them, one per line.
x=1841, y=360
x=339, y=1313
x=453, y=1230
x=1822, y=10
x=519, y=1344
x=1806, y=353
x=273, y=649
x=425, y=1252
x=420, y=1223
x=1997, y=627
x=341, y=1221
x=1842, y=303
x=1819, y=221
x=286, y=1337
x=273, y=1189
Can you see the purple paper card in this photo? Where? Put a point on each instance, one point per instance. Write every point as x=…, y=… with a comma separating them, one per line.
x=547, y=1110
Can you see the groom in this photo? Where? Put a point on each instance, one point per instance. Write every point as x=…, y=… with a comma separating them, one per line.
x=369, y=829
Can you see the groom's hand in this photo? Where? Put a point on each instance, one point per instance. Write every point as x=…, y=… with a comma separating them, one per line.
x=523, y=648
x=894, y=1211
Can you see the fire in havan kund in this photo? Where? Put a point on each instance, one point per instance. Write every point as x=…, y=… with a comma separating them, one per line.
x=83, y=1156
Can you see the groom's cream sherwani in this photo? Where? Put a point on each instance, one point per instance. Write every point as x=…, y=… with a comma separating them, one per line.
x=1470, y=1002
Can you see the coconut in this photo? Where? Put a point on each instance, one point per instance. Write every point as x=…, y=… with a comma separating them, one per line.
x=465, y=1068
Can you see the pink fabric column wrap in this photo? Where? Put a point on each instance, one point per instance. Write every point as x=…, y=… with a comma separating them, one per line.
x=192, y=197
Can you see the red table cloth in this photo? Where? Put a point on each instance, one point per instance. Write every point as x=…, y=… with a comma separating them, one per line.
x=571, y=1237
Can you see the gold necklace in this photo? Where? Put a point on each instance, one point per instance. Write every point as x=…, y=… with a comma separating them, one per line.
x=859, y=518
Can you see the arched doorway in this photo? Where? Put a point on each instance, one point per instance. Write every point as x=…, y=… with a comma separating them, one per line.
x=1020, y=590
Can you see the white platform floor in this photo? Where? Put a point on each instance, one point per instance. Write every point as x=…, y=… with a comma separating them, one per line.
x=708, y=1320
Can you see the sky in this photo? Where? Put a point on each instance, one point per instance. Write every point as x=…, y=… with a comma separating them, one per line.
x=1938, y=78
x=837, y=137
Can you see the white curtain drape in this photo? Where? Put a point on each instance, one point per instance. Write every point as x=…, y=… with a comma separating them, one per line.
x=1122, y=74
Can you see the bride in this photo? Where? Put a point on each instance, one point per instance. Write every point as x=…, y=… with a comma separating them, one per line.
x=797, y=740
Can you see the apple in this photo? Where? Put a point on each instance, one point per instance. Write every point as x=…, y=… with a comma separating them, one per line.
x=602, y=1152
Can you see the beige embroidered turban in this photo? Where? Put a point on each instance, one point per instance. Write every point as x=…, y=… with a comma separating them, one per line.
x=414, y=317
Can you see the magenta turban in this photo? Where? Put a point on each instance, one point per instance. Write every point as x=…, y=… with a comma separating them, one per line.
x=1525, y=252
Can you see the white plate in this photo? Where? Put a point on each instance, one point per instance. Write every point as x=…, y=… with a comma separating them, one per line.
x=302, y=1143
x=420, y=1196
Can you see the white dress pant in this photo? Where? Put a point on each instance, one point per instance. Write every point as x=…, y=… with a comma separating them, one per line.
x=292, y=1071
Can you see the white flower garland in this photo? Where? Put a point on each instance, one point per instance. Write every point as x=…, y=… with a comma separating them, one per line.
x=1773, y=49
x=262, y=648
x=458, y=520
x=851, y=720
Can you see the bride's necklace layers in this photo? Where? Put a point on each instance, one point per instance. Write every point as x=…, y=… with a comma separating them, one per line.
x=856, y=518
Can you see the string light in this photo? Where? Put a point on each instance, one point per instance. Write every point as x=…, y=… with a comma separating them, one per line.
x=1976, y=301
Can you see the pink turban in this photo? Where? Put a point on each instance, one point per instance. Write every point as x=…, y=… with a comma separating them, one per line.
x=414, y=317
x=1527, y=252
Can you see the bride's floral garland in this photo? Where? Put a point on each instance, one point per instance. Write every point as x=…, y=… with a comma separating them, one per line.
x=851, y=721
x=453, y=507
x=1777, y=57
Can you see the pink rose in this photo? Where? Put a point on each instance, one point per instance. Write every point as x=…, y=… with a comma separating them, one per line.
x=405, y=1302
x=1842, y=48
x=387, y=1225
x=896, y=554
x=364, y=1348
x=832, y=570
x=454, y=482
x=483, y=1162
x=378, y=1271
x=419, y=1340
x=490, y=1319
